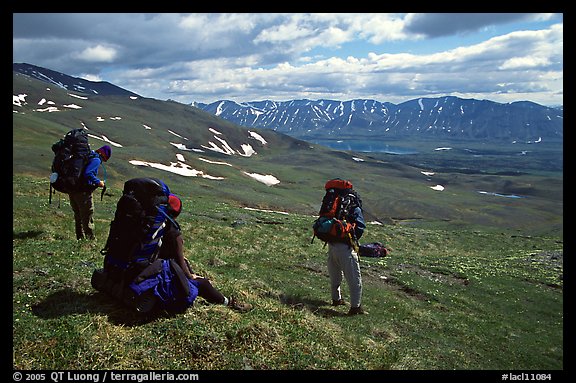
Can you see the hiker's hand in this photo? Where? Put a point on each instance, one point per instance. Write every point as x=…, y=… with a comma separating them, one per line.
x=101, y=184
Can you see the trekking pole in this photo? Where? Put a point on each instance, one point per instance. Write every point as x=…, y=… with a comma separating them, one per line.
x=104, y=187
x=354, y=243
x=353, y=240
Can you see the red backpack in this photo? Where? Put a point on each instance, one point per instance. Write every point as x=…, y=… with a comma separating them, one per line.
x=338, y=203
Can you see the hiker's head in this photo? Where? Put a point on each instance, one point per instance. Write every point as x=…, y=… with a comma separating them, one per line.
x=105, y=152
x=175, y=205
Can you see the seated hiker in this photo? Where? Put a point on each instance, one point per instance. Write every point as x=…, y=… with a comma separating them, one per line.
x=173, y=248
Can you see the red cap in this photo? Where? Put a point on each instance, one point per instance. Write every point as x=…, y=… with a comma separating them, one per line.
x=175, y=205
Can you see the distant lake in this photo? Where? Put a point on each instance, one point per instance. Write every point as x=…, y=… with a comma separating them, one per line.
x=500, y=195
x=364, y=146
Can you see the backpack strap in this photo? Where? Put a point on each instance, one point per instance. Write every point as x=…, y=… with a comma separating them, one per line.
x=180, y=276
x=169, y=218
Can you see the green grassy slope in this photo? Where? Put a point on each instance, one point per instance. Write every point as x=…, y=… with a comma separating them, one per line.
x=443, y=300
x=475, y=281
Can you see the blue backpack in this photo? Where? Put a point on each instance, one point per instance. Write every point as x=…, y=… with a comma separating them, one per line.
x=132, y=271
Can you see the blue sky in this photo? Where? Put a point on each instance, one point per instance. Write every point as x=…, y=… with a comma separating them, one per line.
x=393, y=57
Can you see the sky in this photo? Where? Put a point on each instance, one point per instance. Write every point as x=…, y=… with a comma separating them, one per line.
x=242, y=57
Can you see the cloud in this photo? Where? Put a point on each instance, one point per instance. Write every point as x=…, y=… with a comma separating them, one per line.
x=99, y=53
x=255, y=56
x=444, y=24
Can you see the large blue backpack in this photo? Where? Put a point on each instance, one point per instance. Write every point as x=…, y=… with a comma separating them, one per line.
x=132, y=271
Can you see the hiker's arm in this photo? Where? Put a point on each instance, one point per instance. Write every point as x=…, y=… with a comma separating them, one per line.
x=182, y=261
x=360, y=224
x=91, y=173
x=180, y=257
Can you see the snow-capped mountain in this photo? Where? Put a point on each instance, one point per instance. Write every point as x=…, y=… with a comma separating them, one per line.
x=70, y=83
x=445, y=117
x=438, y=118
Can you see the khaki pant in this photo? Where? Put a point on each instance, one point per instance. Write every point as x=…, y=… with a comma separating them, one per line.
x=343, y=260
x=83, y=207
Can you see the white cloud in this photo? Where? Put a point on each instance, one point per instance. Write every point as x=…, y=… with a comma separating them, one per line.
x=99, y=53
x=342, y=56
x=524, y=62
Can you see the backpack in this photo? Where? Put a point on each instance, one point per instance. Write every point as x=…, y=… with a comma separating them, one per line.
x=339, y=201
x=373, y=249
x=131, y=269
x=71, y=154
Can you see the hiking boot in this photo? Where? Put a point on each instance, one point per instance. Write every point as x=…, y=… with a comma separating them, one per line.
x=339, y=302
x=241, y=307
x=357, y=310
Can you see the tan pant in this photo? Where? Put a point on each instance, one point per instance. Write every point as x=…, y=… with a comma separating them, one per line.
x=343, y=260
x=83, y=207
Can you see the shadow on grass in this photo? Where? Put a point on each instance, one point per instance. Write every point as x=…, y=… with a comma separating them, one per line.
x=316, y=306
x=68, y=302
x=27, y=234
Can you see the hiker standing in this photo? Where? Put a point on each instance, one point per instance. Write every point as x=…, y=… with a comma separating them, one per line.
x=343, y=259
x=173, y=248
x=81, y=201
x=341, y=224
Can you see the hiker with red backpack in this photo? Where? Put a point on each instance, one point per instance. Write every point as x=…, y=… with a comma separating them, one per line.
x=341, y=224
x=81, y=200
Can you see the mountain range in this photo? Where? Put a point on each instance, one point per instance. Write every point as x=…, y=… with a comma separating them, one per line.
x=205, y=156
x=443, y=118
x=440, y=118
